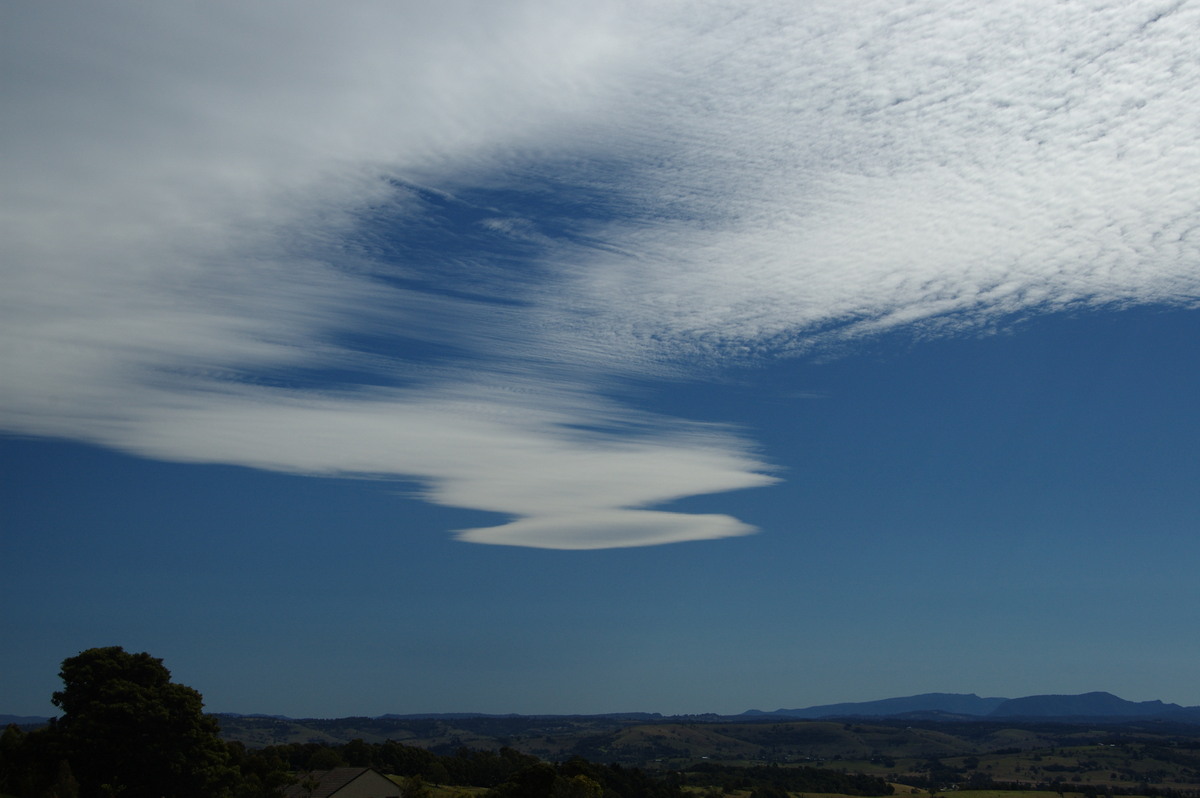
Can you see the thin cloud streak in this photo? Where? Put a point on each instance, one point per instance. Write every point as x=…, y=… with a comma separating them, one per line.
x=188, y=193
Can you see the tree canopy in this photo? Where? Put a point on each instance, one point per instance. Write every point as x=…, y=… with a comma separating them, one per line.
x=127, y=728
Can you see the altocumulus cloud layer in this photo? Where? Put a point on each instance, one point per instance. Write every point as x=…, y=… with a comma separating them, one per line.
x=423, y=242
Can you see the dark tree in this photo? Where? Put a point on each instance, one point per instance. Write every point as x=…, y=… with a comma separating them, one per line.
x=769, y=791
x=535, y=781
x=128, y=730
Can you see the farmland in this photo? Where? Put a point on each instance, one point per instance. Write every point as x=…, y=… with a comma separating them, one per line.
x=1128, y=758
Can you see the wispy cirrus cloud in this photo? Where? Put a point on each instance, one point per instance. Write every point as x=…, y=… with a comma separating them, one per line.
x=855, y=170
x=421, y=242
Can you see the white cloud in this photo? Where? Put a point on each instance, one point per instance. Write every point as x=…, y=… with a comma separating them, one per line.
x=859, y=169
x=608, y=529
x=183, y=187
x=567, y=488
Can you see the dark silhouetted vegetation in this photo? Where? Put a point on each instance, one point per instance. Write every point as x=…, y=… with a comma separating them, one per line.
x=788, y=779
x=127, y=730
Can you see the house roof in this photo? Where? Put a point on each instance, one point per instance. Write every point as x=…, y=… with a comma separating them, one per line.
x=327, y=782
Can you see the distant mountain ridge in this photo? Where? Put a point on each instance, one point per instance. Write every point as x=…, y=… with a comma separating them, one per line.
x=1096, y=704
x=927, y=706
x=23, y=720
x=970, y=706
x=950, y=703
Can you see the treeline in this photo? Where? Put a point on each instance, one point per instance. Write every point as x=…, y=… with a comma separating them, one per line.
x=35, y=765
x=43, y=764
x=979, y=782
x=128, y=730
x=507, y=773
x=40, y=764
x=791, y=779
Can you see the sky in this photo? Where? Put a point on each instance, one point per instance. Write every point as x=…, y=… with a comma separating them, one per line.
x=577, y=358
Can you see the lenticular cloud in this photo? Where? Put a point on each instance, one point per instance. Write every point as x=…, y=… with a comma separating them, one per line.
x=422, y=243
x=607, y=530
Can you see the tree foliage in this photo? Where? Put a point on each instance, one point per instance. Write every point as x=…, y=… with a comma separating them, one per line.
x=128, y=730
x=789, y=779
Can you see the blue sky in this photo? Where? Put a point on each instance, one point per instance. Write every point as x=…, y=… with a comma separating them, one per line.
x=539, y=359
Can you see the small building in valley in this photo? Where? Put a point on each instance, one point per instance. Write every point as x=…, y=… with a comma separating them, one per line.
x=343, y=783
